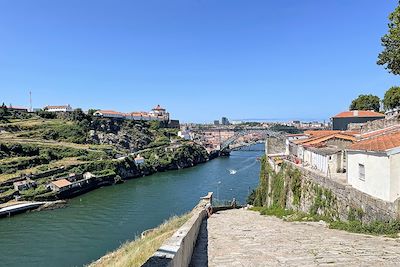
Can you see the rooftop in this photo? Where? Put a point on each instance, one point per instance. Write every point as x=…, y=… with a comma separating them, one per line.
x=359, y=114
x=61, y=183
x=381, y=143
x=158, y=107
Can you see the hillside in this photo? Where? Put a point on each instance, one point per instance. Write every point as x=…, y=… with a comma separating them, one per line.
x=44, y=148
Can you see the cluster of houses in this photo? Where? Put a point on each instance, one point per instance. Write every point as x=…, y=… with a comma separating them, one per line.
x=367, y=158
x=59, y=185
x=158, y=113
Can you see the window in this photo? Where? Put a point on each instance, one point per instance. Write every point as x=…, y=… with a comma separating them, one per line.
x=361, y=172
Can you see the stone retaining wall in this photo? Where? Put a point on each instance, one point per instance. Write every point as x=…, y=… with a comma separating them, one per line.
x=177, y=251
x=348, y=199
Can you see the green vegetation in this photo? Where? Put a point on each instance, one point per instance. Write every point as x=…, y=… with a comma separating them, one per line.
x=390, y=56
x=366, y=102
x=390, y=229
x=392, y=98
x=84, y=143
x=288, y=185
x=137, y=252
x=285, y=128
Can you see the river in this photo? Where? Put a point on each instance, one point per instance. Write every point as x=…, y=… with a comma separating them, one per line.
x=100, y=221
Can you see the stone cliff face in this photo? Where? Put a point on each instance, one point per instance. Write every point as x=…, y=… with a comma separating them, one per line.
x=184, y=157
x=122, y=134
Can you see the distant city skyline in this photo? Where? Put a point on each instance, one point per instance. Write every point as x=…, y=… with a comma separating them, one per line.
x=200, y=59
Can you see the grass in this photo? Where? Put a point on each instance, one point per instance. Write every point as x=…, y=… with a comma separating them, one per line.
x=63, y=162
x=137, y=252
x=389, y=229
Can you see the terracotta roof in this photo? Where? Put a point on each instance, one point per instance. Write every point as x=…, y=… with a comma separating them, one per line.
x=379, y=143
x=390, y=129
x=317, y=133
x=110, y=112
x=359, y=113
x=17, y=107
x=61, y=183
x=320, y=139
x=158, y=107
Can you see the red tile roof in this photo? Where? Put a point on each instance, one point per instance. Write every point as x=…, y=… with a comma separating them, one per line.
x=359, y=113
x=321, y=138
x=158, y=107
x=111, y=112
x=318, y=133
x=379, y=143
x=17, y=107
x=387, y=130
x=61, y=183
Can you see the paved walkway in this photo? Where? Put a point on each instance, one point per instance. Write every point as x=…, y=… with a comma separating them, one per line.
x=245, y=238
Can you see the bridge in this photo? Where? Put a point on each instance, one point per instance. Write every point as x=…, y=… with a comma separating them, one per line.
x=264, y=134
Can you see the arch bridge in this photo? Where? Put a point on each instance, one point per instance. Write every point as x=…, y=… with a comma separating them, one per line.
x=264, y=134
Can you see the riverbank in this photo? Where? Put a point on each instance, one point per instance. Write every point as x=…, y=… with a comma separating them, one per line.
x=102, y=220
x=137, y=252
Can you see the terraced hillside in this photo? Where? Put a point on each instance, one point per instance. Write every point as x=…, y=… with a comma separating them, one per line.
x=43, y=148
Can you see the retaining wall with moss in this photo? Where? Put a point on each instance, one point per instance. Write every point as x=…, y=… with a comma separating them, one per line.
x=294, y=187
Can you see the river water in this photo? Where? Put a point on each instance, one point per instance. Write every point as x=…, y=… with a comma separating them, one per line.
x=100, y=221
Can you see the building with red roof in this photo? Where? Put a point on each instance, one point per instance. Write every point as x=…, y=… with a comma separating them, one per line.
x=373, y=165
x=342, y=120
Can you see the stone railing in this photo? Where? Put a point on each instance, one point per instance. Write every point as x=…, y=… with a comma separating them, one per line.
x=177, y=251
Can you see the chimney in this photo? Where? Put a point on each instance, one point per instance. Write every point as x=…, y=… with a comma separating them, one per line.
x=355, y=113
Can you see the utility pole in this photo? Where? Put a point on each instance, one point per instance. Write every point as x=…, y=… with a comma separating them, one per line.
x=30, y=101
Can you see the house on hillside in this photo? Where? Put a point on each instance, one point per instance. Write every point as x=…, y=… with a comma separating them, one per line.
x=324, y=151
x=24, y=185
x=139, y=160
x=342, y=120
x=17, y=108
x=373, y=166
x=109, y=114
x=65, y=108
x=59, y=185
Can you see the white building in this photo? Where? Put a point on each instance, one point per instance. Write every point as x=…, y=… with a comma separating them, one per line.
x=184, y=135
x=327, y=160
x=139, y=160
x=66, y=108
x=159, y=112
x=109, y=114
x=373, y=166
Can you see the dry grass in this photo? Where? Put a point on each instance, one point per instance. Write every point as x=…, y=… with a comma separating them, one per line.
x=63, y=162
x=137, y=252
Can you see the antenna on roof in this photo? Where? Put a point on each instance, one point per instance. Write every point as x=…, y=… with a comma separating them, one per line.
x=30, y=101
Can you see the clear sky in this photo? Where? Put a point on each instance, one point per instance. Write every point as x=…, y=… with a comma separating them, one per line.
x=201, y=59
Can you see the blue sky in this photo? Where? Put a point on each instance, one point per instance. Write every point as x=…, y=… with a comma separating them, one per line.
x=201, y=59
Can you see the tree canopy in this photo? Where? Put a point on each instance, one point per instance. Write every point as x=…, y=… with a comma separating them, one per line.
x=392, y=98
x=390, y=56
x=366, y=102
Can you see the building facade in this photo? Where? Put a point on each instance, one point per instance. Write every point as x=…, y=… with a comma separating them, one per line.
x=374, y=166
x=342, y=120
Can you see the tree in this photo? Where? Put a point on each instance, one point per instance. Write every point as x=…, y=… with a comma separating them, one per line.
x=390, y=56
x=4, y=111
x=366, y=102
x=78, y=115
x=392, y=98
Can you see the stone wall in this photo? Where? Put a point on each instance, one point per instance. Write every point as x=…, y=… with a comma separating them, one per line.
x=336, y=200
x=275, y=145
x=379, y=124
x=177, y=251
